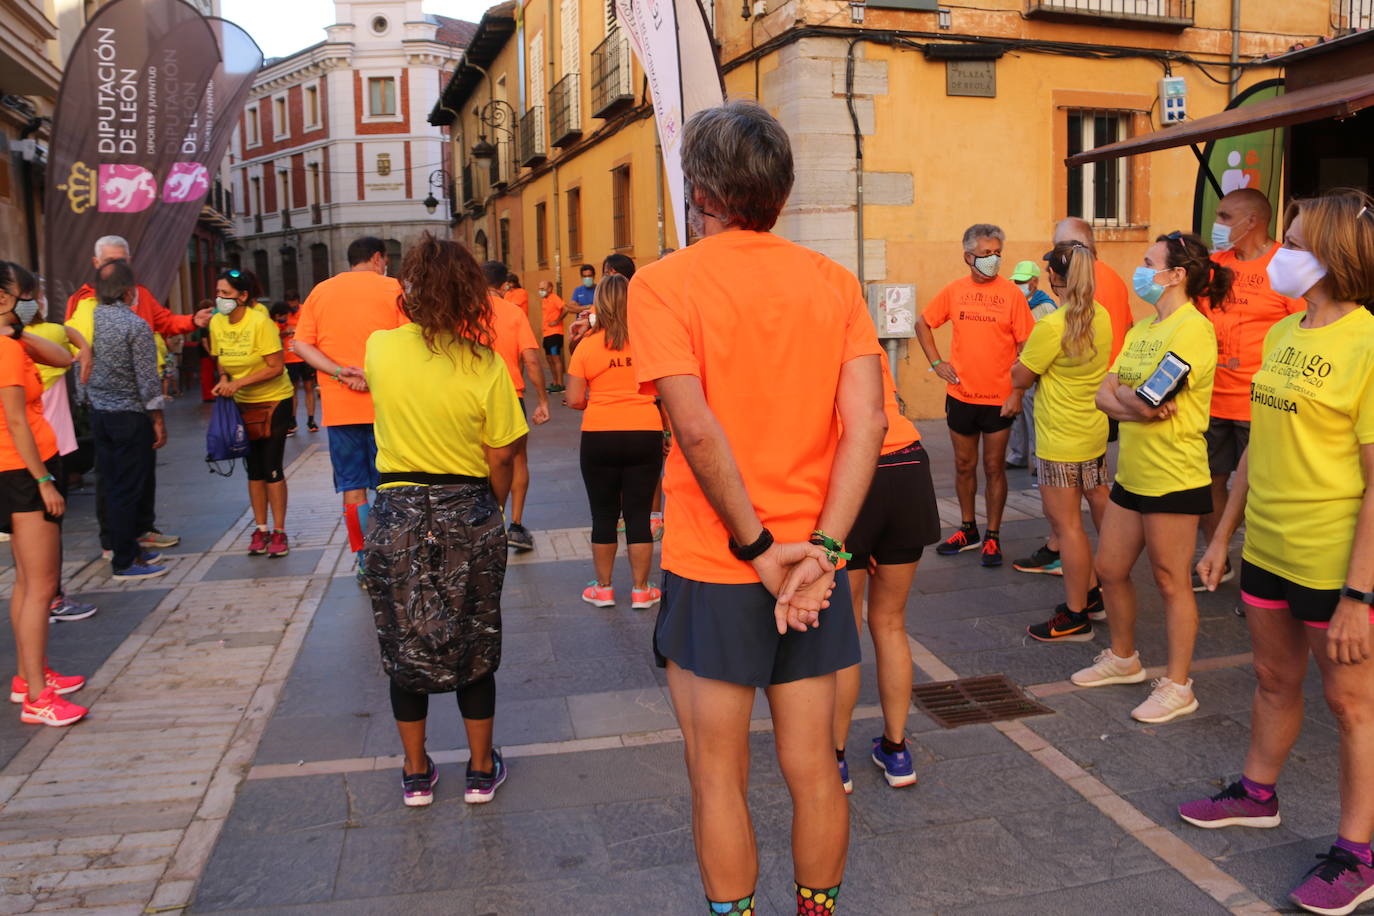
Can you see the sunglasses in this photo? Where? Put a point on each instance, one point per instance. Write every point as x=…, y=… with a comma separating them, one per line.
x=235, y=274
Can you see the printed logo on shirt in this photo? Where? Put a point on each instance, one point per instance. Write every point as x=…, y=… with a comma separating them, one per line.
x=975, y=316
x=1306, y=369
x=1264, y=396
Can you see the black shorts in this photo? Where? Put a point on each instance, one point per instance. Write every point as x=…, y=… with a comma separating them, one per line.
x=1182, y=502
x=1226, y=442
x=899, y=517
x=300, y=372
x=728, y=633
x=553, y=344
x=19, y=492
x=972, y=419
x=1267, y=591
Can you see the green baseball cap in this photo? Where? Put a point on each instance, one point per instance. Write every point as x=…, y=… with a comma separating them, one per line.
x=1024, y=271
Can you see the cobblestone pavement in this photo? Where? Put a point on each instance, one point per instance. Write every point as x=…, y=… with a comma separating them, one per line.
x=240, y=755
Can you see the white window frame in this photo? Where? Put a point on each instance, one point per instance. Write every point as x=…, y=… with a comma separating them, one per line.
x=281, y=131
x=318, y=121
x=368, y=117
x=1087, y=175
x=252, y=121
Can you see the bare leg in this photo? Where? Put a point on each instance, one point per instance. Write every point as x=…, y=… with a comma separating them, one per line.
x=641, y=562
x=887, y=625
x=847, y=679
x=257, y=498
x=965, y=474
x=1063, y=506
x=803, y=714
x=1349, y=693
x=413, y=743
x=520, y=480
x=276, y=499
x=34, y=543
x=603, y=560
x=309, y=386
x=479, y=742
x=714, y=717
x=1280, y=646
x=1213, y=518
x=1118, y=547
x=1170, y=541
x=995, y=476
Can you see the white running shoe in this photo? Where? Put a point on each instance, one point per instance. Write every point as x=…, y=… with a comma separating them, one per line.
x=1108, y=668
x=1166, y=702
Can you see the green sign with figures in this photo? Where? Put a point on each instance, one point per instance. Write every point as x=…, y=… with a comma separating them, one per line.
x=1247, y=161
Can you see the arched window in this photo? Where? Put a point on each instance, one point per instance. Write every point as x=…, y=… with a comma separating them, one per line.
x=479, y=247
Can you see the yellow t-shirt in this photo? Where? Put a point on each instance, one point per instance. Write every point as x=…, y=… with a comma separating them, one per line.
x=1166, y=456
x=435, y=411
x=241, y=349
x=1068, y=425
x=57, y=333
x=1311, y=409
x=83, y=321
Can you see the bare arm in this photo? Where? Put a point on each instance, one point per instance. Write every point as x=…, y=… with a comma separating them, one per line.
x=45, y=351
x=273, y=366
x=1212, y=566
x=83, y=352
x=576, y=395
x=1021, y=377
x=351, y=376
x=1120, y=402
x=501, y=469
x=534, y=371
x=926, y=338
x=1348, y=639
x=17, y=421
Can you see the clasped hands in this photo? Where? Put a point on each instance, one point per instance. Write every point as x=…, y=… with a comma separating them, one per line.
x=801, y=577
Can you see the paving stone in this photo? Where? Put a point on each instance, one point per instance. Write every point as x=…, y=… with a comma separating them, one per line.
x=284, y=806
x=1272, y=872
x=296, y=564
x=272, y=870
x=620, y=711
x=1163, y=891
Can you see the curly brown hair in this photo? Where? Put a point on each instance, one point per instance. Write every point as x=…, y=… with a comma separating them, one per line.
x=445, y=293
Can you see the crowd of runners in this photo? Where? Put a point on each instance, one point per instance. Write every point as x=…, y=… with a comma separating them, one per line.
x=736, y=403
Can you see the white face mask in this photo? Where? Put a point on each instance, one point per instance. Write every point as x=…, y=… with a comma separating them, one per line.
x=1293, y=273
x=988, y=265
x=25, y=310
x=1024, y=288
x=225, y=306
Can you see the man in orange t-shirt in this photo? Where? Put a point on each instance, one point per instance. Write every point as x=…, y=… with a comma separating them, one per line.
x=515, y=294
x=336, y=320
x=1110, y=292
x=759, y=348
x=554, y=311
x=990, y=323
x=513, y=340
x=1240, y=238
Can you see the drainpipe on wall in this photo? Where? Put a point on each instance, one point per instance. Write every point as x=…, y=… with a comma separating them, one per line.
x=658, y=187
x=557, y=233
x=858, y=161
x=1235, y=49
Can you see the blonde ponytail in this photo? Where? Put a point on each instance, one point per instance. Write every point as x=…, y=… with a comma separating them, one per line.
x=1080, y=285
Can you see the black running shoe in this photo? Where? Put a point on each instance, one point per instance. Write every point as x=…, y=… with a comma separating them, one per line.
x=992, y=550
x=1064, y=626
x=418, y=788
x=1097, y=608
x=1044, y=561
x=964, y=538
x=519, y=537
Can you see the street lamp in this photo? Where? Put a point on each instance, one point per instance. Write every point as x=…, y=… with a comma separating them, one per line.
x=498, y=117
x=438, y=179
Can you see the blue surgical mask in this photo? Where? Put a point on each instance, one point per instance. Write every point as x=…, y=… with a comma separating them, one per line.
x=225, y=306
x=25, y=310
x=1221, y=237
x=1024, y=288
x=1145, y=286
x=589, y=282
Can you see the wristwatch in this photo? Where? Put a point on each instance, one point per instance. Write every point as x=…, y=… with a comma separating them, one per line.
x=1364, y=597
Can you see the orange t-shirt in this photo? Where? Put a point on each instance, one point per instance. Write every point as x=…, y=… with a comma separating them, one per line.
x=519, y=298
x=766, y=325
x=991, y=320
x=510, y=336
x=338, y=317
x=1113, y=296
x=1250, y=311
x=288, y=336
x=901, y=432
x=553, y=314
x=17, y=369
x=613, y=398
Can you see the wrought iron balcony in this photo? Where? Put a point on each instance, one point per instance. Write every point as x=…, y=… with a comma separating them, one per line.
x=532, y=148
x=1352, y=16
x=612, y=89
x=565, y=114
x=1172, y=15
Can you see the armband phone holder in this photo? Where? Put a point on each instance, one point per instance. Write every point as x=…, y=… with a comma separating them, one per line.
x=1166, y=381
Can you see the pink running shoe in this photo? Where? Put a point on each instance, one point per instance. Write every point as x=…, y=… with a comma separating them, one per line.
x=641, y=599
x=62, y=683
x=50, y=709
x=1337, y=884
x=276, y=545
x=1231, y=807
x=599, y=595
x=258, y=546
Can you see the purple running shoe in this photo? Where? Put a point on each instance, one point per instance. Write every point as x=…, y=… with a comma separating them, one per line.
x=1231, y=807
x=1337, y=884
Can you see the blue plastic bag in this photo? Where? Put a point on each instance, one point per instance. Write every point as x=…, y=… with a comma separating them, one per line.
x=226, y=439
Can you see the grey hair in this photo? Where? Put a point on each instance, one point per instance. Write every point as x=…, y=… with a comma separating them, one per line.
x=982, y=231
x=740, y=159
x=111, y=241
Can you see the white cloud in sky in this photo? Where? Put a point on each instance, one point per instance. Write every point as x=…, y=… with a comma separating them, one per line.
x=281, y=27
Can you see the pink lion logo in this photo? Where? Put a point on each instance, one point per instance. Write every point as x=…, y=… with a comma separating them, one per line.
x=126, y=189
x=186, y=181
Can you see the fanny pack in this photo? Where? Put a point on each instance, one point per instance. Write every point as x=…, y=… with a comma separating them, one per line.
x=257, y=419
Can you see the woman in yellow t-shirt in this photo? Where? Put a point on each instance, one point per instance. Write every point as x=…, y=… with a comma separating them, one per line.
x=1068, y=352
x=435, y=555
x=1163, y=486
x=1303, y=488
x=245, y=343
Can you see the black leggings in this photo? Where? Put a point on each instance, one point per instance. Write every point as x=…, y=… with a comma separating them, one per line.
x=266, y=456
x=475, y=701
x=620, y=469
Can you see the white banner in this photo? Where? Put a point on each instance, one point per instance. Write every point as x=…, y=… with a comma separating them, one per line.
x=671, y=40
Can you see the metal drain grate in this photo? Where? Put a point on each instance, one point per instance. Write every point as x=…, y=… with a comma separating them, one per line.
x=971, y=700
